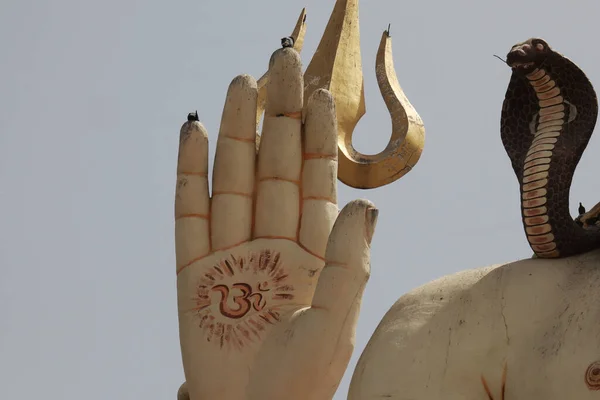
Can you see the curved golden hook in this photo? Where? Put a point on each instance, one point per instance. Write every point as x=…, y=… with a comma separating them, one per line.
x=337, y=67
x=407, y=140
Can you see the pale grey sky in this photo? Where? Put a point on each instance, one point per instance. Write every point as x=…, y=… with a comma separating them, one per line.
x=92, y=96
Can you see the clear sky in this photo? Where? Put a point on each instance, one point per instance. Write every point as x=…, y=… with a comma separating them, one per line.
x=92, y=96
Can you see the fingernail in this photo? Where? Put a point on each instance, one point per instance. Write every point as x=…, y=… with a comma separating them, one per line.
x=371, y=221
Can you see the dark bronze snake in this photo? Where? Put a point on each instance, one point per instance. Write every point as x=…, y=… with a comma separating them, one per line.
x=548, y=116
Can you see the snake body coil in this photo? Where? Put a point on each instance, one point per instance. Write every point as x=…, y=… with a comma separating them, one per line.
x=548, y=116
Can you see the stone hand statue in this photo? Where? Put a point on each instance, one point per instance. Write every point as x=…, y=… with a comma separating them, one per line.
x=269, y=276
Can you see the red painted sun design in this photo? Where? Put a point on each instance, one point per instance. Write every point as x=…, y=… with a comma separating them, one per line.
x=238, y=298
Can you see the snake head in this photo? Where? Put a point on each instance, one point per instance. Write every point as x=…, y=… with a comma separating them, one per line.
x=528, y=55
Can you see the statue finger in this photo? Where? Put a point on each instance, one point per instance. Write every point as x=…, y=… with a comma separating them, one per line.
x=280, y=152
x=347, y=266
x=192, y=240
x=234, y=168
x=319, y=173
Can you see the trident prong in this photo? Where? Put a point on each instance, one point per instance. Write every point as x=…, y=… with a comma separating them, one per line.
x=337, y=67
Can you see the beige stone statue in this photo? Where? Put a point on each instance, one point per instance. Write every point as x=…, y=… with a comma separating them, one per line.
x=270, y=276
x=522, y=330
x=251, y=255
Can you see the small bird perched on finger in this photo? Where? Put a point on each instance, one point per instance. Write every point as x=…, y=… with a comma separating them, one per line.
x=193, y=116
x=287, y=42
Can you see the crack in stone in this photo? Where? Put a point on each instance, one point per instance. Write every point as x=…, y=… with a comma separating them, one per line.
x=502, y=305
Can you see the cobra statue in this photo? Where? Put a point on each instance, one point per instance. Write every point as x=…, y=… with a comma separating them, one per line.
x=548, y=117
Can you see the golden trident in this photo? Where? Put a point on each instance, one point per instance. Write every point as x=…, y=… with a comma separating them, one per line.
x=337, y=67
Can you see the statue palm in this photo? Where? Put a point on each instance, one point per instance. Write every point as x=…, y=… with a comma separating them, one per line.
x=269, y=277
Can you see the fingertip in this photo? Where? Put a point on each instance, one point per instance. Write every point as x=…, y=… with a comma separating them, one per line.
x=323, y=97
x=285, y=89
x=321, y=108
x=189, y=128
x=352, y=232
x=361, y=206
x=193, y=148
x=284, y=56
x=244, y=80
x=366, y=208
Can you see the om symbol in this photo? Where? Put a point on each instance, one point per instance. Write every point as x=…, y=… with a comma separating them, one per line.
x=245, y=302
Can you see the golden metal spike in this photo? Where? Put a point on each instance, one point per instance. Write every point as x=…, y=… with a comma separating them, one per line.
x=298, y=35
x=299, y=31
x=336, y=66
